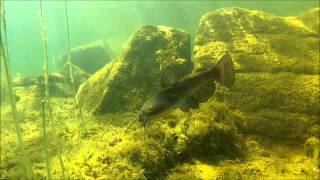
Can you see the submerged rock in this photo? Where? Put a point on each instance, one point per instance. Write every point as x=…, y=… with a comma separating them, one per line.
x=79, y=76
x=58, y=85
x=132, y=77
x=90, y=57
x=277, y=60
x=285, y=92
x=308, y=18
x=282, y=106
x=259, y=41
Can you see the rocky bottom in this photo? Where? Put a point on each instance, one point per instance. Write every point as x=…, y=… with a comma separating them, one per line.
x=201, y=144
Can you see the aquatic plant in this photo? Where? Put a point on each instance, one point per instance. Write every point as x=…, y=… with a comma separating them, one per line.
x=46, y=100
x=46, y=94
x=69, y=63
x=5, y=57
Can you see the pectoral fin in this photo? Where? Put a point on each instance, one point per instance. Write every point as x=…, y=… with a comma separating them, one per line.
x=188, y=103
x=192, y=103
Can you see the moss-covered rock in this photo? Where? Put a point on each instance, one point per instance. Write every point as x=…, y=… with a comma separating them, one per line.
x=286, y=92
x=265, y=159
x=282, y=106
x=276, y=125
x=179, y=137
x=90, y=57
x=277, y=60
x=79, y=76
x=150, y=153
x=259, y=41
x=308, y=18
x=58, y=85
x=124, y=84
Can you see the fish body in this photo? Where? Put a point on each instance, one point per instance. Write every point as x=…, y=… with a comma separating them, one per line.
x=181, y=92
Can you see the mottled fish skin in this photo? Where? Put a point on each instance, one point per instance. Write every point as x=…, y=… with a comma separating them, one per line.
x=180, y=90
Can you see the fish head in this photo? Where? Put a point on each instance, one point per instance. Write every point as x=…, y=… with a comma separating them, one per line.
x=152, y=107
x=142, y=117
x=156, y=103
x=149, y=108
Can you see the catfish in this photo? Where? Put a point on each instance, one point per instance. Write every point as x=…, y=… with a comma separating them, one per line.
x=180, y=93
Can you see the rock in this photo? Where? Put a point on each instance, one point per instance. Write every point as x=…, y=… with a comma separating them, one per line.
x=312, y=150
x=33, y=86
x=259, y=41
x=90, y=57
x=58, y=85
x=79, y=76
x=308, y=19
x=282, y=106
x=274, y=124
x=177, y=137
x=20, y=81
x=126, y=83
x=276, y=60
x=286, y=92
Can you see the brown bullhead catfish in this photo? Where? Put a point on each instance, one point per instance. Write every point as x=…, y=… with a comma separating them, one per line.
x=180, y=93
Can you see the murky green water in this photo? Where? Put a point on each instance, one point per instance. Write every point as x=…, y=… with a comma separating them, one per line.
x=160, y=90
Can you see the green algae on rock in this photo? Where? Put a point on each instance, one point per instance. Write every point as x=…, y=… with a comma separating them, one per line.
x=259, y=42
x=124, y=84
x=151, y=153
x=282, y=106
x=286, y=92
x=277, y=60
x=79, y=75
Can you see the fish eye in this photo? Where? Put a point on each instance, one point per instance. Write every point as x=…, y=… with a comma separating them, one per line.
x=151, y=107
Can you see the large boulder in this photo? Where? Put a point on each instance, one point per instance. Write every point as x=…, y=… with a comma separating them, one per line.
x=259, y=41
x=124, y=84
x=276, y=92
x=89, y=57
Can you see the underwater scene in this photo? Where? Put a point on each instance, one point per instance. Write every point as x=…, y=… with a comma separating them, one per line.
x=152, y=90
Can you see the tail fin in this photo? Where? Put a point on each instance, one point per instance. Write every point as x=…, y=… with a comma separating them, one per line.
x=226, y=70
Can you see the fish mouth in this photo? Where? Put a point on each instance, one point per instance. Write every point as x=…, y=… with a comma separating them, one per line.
x=142, y=117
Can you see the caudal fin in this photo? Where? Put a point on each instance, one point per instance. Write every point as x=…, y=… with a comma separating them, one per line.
x=226, y=71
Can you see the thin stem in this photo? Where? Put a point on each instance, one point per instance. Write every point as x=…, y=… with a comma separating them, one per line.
x=46, y=99
x=69, y=62
x=5, y=56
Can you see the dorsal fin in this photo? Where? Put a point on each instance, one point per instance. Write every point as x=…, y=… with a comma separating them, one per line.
x=226, y=69
x=169, y=76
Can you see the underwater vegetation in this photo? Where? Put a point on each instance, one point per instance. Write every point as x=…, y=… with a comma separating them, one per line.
x=265, y=127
